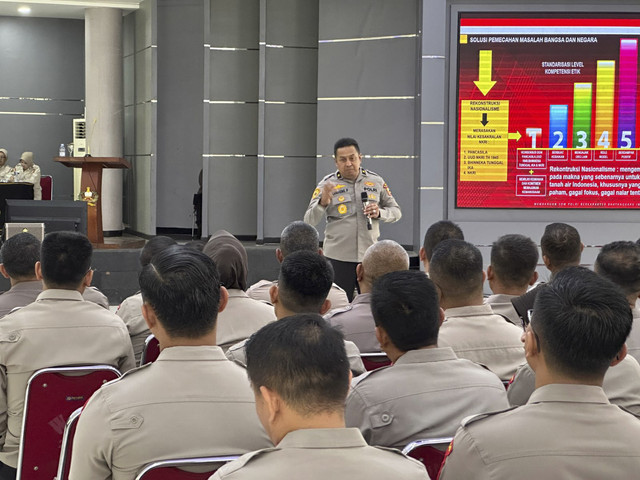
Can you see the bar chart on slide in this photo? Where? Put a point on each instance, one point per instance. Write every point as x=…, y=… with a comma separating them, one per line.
x=547, y=112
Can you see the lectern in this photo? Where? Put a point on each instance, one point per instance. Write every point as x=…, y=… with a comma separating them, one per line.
x=92, y=179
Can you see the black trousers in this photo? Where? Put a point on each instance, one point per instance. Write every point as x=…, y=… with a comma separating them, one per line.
x=344, y=277
x=7, y=472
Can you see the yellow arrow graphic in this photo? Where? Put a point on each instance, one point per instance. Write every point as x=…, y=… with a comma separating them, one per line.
x=515, y=136
x=484, y=82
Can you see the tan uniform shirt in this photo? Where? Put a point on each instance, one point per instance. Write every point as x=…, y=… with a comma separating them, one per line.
x=6, y=174
x=478, y=334
x=633, y=341
x=190, y=402
x=31, y=175
x=621, y=384
x=130, y=311
x=355, y=321
x=425, y=394
x=260, y=291
x=501, y=305
x=321, y=454
x=346, y=237
x=238, y=354
x=564, y=432
x=242, y=317
x=59, y=328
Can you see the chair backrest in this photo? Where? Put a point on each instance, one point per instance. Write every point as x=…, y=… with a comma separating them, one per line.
x=46, y=183
x=67, y=441
x=52, y=395
x=150, y=351
x=183, y=468
x=430, y=452
x=374, y=360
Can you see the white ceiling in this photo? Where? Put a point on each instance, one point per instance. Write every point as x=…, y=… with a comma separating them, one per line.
x=63, y=8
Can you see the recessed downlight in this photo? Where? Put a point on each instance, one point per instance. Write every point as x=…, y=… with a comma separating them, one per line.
x=24, y=10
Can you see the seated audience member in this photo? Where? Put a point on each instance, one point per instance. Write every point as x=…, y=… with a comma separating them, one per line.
x=243, y=315
x=300, y=376
x=436, y=233
x=356, y=321
x=568, y=428
x=28, y=172
x=295, y=237
x=303, y=284
x=512, y=271
x=190, y=402
x=471, y=328
x=6, y=172
x=19, y=256
x=59, y=328
x=620, y=263
x=130, y=310
x=428, y=390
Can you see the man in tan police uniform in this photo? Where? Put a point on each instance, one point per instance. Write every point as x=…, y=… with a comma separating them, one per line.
x=191, y=402
x=470, y=328
x=300, y=376
x=304, y=280
x=338, y=198
x=428, y=390
x=568, y=429
x=59, y=328
x=356, y=320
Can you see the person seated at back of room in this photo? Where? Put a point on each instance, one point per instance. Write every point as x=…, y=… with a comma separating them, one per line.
x=436, y=233
x=28, y=172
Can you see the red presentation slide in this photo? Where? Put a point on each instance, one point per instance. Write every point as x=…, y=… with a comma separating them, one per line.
x=548, y=112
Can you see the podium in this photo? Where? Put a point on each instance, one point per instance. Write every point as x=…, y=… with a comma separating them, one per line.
x=92, y=178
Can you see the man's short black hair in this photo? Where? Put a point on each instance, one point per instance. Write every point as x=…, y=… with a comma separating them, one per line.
x=582, y=321
x=20, y=254
x=438, y=232
x=303, y=359
x=153, y=246
x=345, y=142
x=456, y=268
x=65, y=258
x=561, y=244
x=182, y=286
x=297, y=236
x=620, y=263
x=405, y=304
x=304, y=281
x=514, y=258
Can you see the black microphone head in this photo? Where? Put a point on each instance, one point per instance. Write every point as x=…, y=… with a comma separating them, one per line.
x=364, y=196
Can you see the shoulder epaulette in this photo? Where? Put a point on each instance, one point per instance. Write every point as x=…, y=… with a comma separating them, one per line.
x=481, y=416
x=236, y=465
x=336, y=311
x=133, y=370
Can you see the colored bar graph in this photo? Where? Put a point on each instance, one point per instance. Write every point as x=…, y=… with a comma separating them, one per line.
x=627, y=93
x=605, y=86
x=558, y=125
x=582, y=115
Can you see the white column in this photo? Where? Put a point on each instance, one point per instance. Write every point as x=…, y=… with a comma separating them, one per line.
x=105, y=104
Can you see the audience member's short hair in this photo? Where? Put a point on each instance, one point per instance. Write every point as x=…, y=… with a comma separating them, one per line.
x=183, y=288
x=561, y=244
x=304, y=281
x=438, y=232
x=383, y=257
x=514, y=258
x=405, y=304
x=345, y=142
x=196, y=244
x=154, y=246
x=298, y=236
x=65, y=259
x=582, y=321
x=20, y=254
x=303, y=359
x=456, y=268
x=620, y=263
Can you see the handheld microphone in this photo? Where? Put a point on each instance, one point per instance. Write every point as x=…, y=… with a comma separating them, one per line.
x=365, y=201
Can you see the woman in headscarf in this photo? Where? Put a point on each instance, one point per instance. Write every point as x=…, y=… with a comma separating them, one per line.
x=28, y=172
x=6, y=172
x=242, y=315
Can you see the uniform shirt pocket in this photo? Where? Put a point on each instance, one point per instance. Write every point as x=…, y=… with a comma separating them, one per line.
x=341, y=205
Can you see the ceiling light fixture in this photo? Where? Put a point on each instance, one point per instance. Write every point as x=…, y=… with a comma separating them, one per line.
x=24, y=10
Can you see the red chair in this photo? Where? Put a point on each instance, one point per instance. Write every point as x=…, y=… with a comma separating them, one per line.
x=375, y=360
x=430, y=452
x=67, y=442
x=52, y=395
x=184, y=468
x=46, y=183
x=150, y=351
